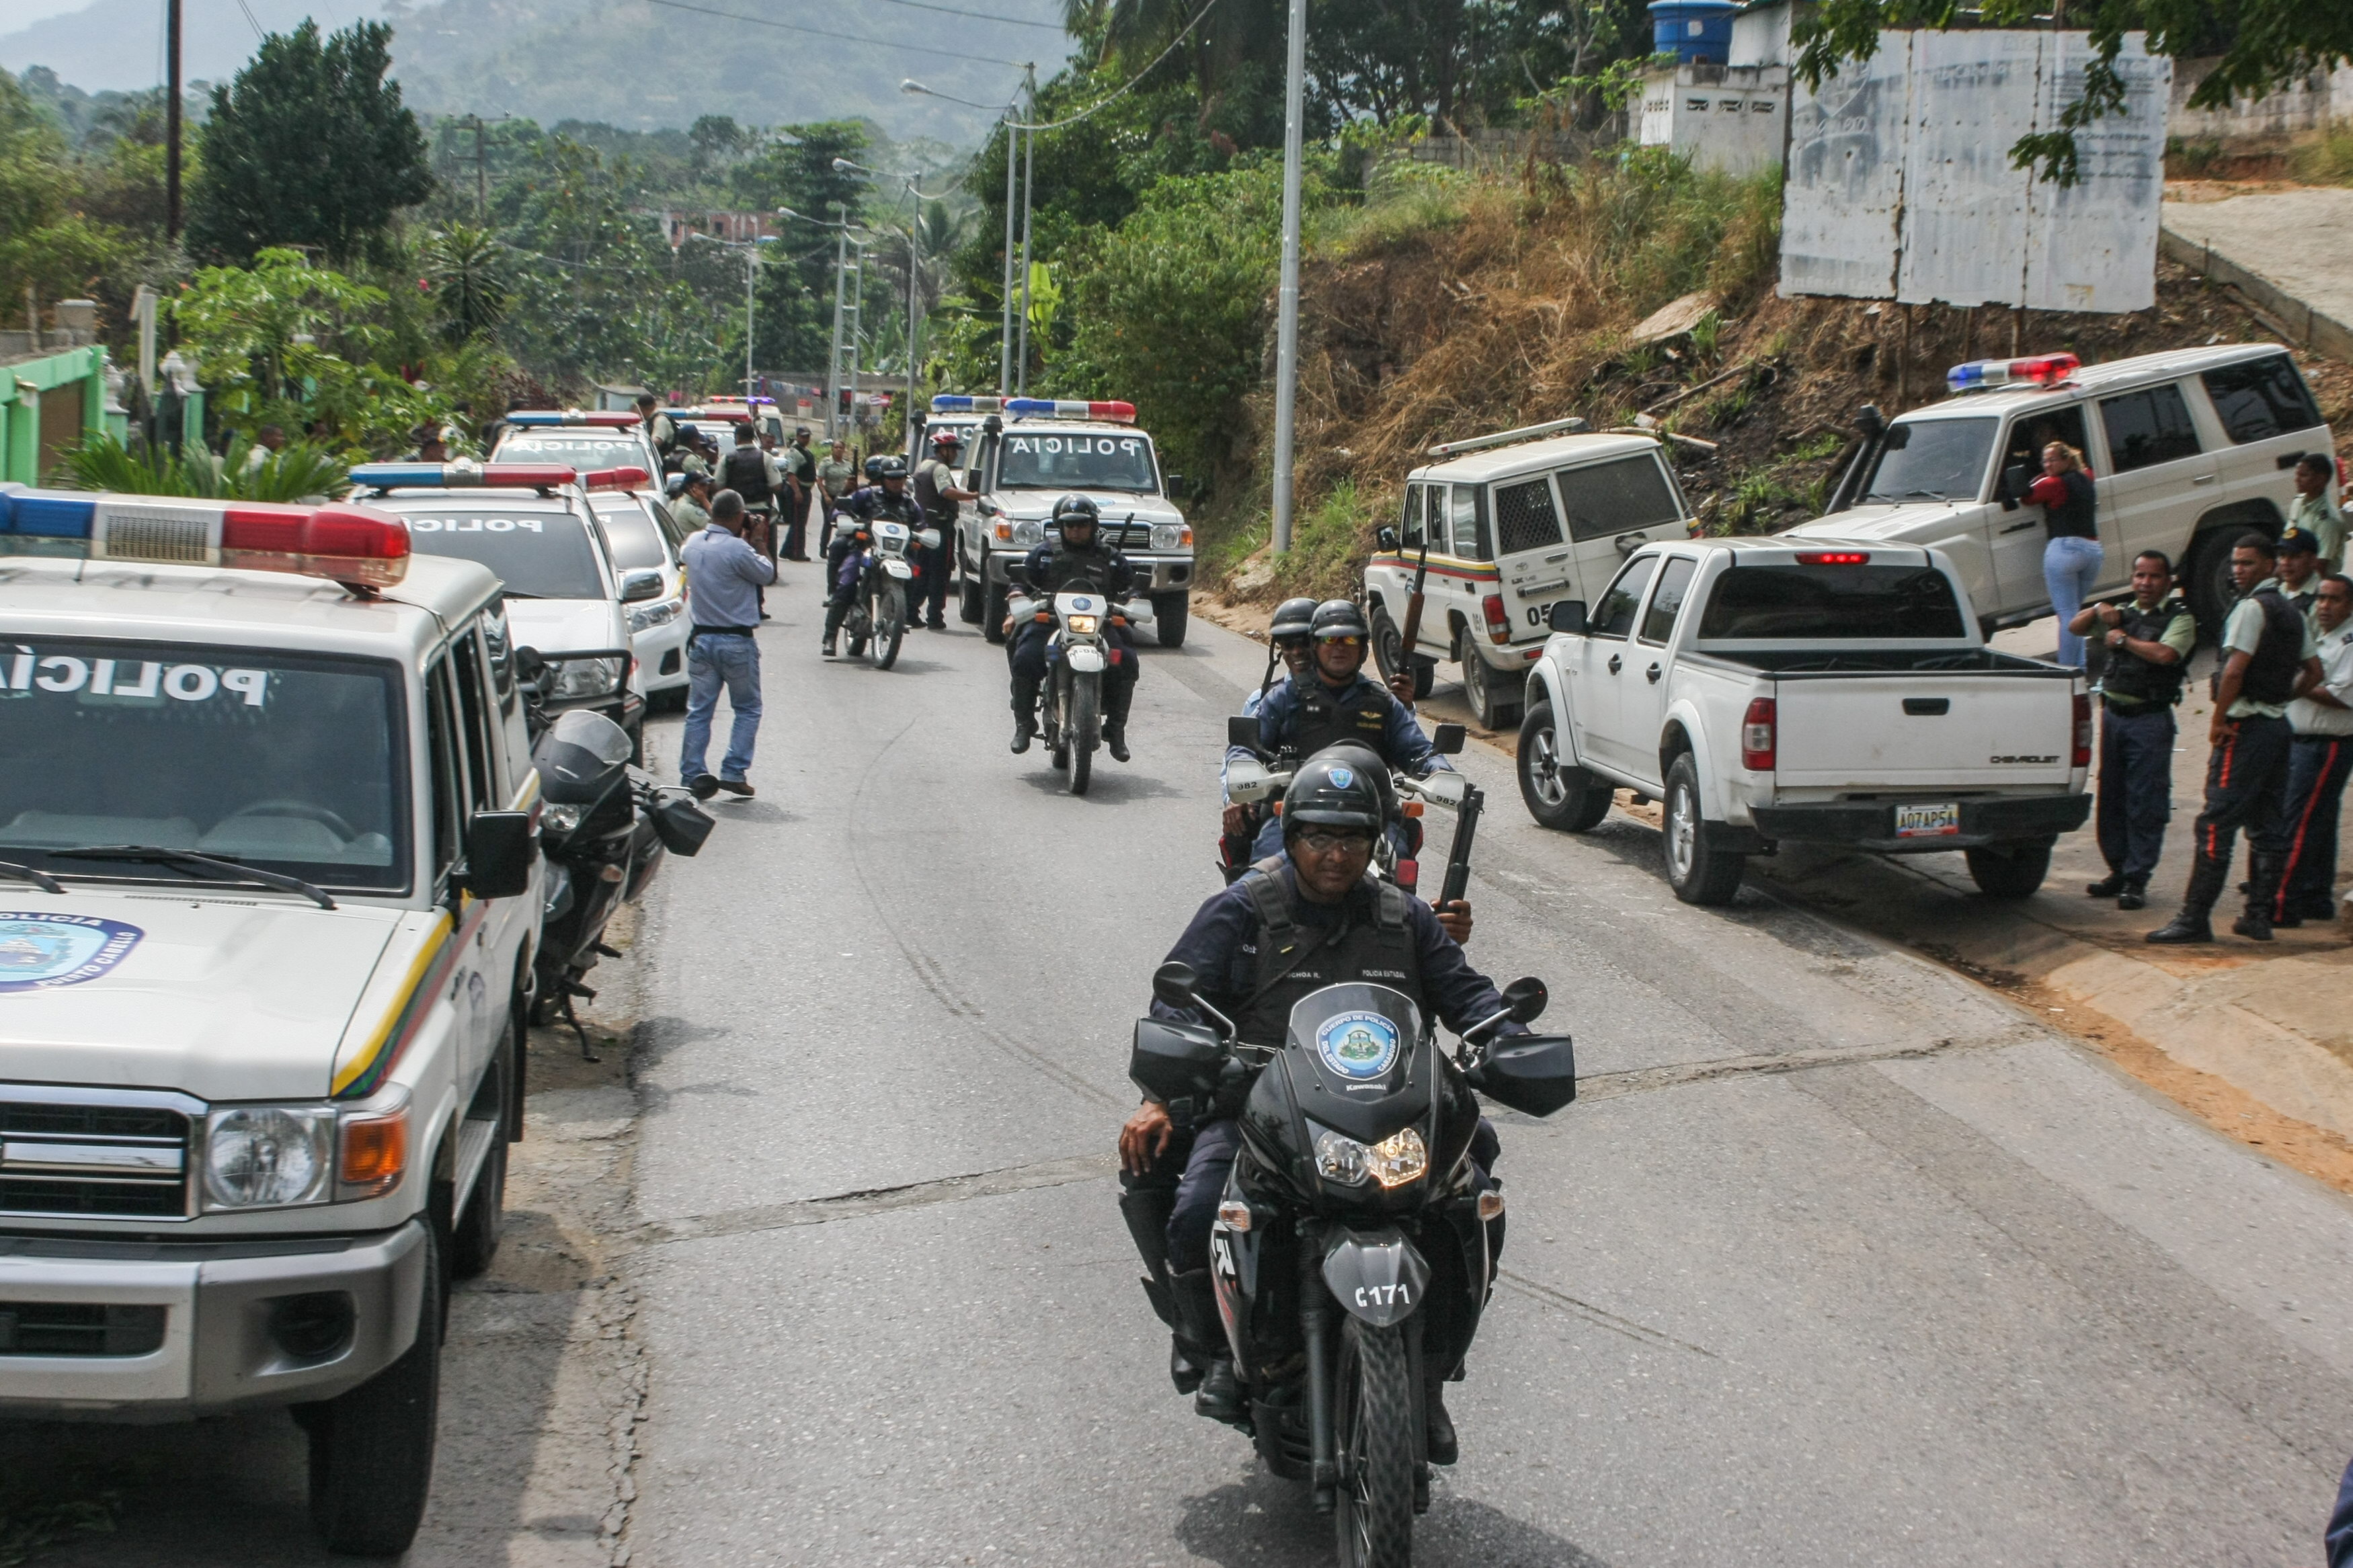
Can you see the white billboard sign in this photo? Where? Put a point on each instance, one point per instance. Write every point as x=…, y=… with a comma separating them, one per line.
x=1900, y=185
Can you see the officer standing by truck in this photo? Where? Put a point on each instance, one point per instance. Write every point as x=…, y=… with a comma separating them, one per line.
x=2150, y=641
x=2318, y=761
x=937, y=492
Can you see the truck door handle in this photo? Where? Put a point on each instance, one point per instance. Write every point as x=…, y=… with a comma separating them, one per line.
x=1615, y=664
x=1928, y=706
x=2205, y=479
x=1652, y=674
x=2020, y=526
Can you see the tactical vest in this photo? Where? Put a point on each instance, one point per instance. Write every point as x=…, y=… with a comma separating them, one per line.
x=2271, y=673
x=1069, y=571
x=2131, y=676
x=1374, y=945
x=1361, y=714
x=745, y=472
x=936, y=508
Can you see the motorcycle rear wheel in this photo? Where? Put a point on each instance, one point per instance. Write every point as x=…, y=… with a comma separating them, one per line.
x=890, y=620
x=1084, y=729
x=1373, y=1421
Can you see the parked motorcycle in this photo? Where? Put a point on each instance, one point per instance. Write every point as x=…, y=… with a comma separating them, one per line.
x=1078, y=652
x=604, y=830
x=1354, y=1247
x=876, y=622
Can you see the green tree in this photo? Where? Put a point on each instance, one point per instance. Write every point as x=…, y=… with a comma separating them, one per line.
x=309, y=145
x=45, y=244
x=465, y=269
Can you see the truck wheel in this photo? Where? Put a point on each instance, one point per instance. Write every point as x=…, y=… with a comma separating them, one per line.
x=1565, y=797
x=992, y=612
x=1168, y=612
x=2206, y=582
x=2008, y=871
x=372, y=1448
x=1492, y=701
x=969, y=607
x=1698, y=874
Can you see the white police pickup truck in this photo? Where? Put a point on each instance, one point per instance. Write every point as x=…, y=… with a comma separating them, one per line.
x=1775, y=689
x=270, y=886
x=1034, y=450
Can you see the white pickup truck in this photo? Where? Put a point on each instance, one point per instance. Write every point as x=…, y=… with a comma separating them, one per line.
x=1767, y=690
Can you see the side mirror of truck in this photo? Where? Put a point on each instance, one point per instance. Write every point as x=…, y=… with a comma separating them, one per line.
x=529, y=664
x=1172, y=482
x=1568, y=617
x=2016, y=481
x=636, y=586
x=1241, y=730
x=1385, y=540
x=1898, y=436
x=500, y=848
x=1447, y=739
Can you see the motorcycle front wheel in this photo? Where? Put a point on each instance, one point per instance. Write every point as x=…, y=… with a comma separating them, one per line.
x=890, y=618
x=1084, y=729
x=1372, y=1418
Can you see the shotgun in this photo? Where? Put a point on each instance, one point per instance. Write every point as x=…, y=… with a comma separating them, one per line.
x=1458, y=856
x=1413, y=616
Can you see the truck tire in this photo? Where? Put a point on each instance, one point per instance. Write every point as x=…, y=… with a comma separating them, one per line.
x=2008, y=871
x=1168, y=614
x=2206, y=581
x=1565, y=798
x=1698, y=874
x=1493, y=699
x=969, y=605
x=372, y=1448
x=992, y=612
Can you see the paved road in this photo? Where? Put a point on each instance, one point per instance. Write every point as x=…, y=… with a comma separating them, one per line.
x=1839, y=1259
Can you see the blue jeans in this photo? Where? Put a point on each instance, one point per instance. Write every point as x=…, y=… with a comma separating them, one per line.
x=2070, y=567
x=730, y=658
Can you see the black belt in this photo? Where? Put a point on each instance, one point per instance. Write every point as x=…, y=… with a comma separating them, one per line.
x=720, y=632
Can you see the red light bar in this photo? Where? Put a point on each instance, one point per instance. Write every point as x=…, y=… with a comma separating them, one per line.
x=348, y=544
x=613, y=479
x=1833, y=558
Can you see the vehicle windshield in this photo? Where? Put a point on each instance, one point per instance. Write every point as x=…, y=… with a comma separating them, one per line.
x=1832, y=603
x=634, y=540
x=288, y=763
x=585, y=452
x=536, y=551
x=1082, y=461
x=1943, y=459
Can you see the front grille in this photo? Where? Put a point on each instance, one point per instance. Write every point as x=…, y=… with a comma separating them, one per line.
x=61, y=1158
x=1124, y=536
x=80, y=1328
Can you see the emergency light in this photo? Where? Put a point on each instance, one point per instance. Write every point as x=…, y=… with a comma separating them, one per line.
x=1985, y=374
x=465, y=476
x=1061, y=408
x=348, y=544
x=615, y=418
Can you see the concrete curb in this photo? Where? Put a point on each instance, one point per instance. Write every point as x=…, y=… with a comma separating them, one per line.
x=2309, y=329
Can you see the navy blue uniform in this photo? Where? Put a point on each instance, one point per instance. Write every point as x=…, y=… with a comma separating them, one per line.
x=1054, y=568
x=1303, y=716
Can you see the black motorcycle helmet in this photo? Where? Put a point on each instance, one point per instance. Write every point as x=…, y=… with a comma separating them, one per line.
x=1076, y=509
x=874, y=467
x=890, y=469
x=1292, y=619
x=1338, y=618
x=1336, y=788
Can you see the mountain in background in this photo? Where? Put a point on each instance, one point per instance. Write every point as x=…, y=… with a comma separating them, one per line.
x=629, y=63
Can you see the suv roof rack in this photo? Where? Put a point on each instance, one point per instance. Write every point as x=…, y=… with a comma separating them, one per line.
x=1570, y=426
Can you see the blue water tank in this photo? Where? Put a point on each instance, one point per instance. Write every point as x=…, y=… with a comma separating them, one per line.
x=1694, y=31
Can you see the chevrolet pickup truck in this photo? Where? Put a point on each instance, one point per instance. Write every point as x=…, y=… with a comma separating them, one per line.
x=1775, y=689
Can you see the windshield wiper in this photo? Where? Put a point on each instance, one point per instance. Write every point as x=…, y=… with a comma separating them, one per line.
x=155, y=854
x=40, y=880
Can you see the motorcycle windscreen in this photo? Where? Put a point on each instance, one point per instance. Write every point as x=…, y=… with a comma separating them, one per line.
x=1533, y=1074
x=1358, y=1059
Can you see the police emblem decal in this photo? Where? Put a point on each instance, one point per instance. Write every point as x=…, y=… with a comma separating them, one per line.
x=1343, y=777
x=1358, y=1045
x=40, y=951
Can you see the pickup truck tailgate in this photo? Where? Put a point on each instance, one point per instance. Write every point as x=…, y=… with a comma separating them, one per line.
x=1919, y=730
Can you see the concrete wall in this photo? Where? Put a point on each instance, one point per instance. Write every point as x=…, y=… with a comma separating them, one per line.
x=46, y=405
x=1728, y=118
x=2310, y=105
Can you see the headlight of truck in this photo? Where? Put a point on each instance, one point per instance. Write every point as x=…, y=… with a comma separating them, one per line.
x=1393, y=1161
x=1029, y=532
x=646, y=617
x=1171, y=536
x=575, y=678
x=278, y=1156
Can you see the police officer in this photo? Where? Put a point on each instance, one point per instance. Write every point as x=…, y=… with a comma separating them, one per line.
x=752, y=475
x=887, y=498
x=1078, y=561
x=1340, y=703
x=2268, y=660
x=2297, y=568
x=1287, y=645
x=658, y=427
x=2150, y=641
x=691, y=500
x=1306, y=919
x=941, y=497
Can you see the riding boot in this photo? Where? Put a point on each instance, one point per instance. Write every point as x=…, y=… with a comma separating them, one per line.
x=1114, y=729
x=1025, y=713
x=1438, y=1427
x=1196, y=1309
x=2206, y=880
x=834, y=614
x=2108, y=887
x=2264, y=873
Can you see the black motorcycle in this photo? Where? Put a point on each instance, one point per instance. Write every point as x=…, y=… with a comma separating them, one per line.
x=1356, y=1245
x=603, y=831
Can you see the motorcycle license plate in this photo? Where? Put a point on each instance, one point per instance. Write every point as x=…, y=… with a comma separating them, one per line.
x=1939, y=821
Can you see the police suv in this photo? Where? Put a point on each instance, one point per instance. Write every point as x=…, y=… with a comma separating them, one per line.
x=577, y=438
x=268, y=836
x=1033, y=450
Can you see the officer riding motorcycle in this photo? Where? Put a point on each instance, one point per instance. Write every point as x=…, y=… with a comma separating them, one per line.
x=1077, y=562
x=1287, y=644
x=887, y=498
x=1307, y=918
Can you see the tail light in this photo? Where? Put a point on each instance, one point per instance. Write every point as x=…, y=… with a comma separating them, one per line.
x=1499, y=625
x=1834, y=558
x=2082, y=732
x=1756, y=738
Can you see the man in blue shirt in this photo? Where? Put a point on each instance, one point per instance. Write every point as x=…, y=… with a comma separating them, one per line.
x=726, y=576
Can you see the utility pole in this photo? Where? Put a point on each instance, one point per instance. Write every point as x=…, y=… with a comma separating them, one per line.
x=1029, y=187
x=833, y=415
x=857, y=313
x=1286, y=331
x=751, y=271
x=914, y=297
x=482, y=172
x=171, y=121
x=1005, y=336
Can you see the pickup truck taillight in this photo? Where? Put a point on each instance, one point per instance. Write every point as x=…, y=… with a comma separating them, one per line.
x=1499, y=625
x=1756, y=736
x=2082, y=732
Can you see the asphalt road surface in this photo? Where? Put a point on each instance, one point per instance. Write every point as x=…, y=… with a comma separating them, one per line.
x=1837, y=1259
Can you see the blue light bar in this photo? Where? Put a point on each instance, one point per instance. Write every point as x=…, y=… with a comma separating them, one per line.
x=398, y=476
x=31, y=513
x=962, y=403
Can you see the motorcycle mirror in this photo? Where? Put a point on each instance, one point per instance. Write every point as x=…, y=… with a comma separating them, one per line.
x=529, y=664
x=1525, y=999
x=1241, y=730
x=1174, y=983
x=681, y=825
x=1447, y=739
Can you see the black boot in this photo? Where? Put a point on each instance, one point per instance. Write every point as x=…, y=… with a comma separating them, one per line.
x=1114, y=729
x=833, y=616
x=2206, y=880
x=1438, y=1427
x=2108, y=887
x=2134, y=895
x=1024, y=714
x=1220, y=1398
x=2262, y=889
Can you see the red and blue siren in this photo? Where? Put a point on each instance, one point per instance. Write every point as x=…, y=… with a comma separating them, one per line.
x=1985, y=374
x=348, y=544
x=1034, y=407
x=613, y=417
x=466, y=475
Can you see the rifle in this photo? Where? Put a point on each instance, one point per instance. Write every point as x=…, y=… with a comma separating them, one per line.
x=1413, y=612
x=1458, y=856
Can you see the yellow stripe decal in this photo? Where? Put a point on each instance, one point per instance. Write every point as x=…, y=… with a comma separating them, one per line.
x=407, y=1006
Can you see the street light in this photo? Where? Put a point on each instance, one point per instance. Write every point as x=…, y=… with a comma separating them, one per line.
x=750, y=249
x=1286, y=328
x=914, y=277
x=1005, y=330
x=841, y=270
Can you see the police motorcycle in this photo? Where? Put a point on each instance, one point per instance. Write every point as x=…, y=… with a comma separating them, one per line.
x=1355, y=1246
x=1078, y=652
x=1259, y=780
x=876, y=622
x=605, y=830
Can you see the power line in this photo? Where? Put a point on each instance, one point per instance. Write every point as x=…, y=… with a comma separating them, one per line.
x=821, y=32
x=1129, y=85
x=983, y=16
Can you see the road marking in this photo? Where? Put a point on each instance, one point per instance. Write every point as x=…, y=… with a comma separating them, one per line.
x=866, y=1201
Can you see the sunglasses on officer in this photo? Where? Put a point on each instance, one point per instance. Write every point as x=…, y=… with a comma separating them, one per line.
x=1349, y=640
x=1335, y=841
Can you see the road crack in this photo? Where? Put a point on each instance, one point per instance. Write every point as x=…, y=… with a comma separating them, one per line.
x=869, y=1201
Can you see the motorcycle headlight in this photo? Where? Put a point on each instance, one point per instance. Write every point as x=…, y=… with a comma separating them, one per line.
x=1082, y=626
x=1171, y=536
x=1340, y=1158
x=1029, y=532
x=573, y=678
x=278, y=1156
x=563, y=818
x=1393, y=1161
